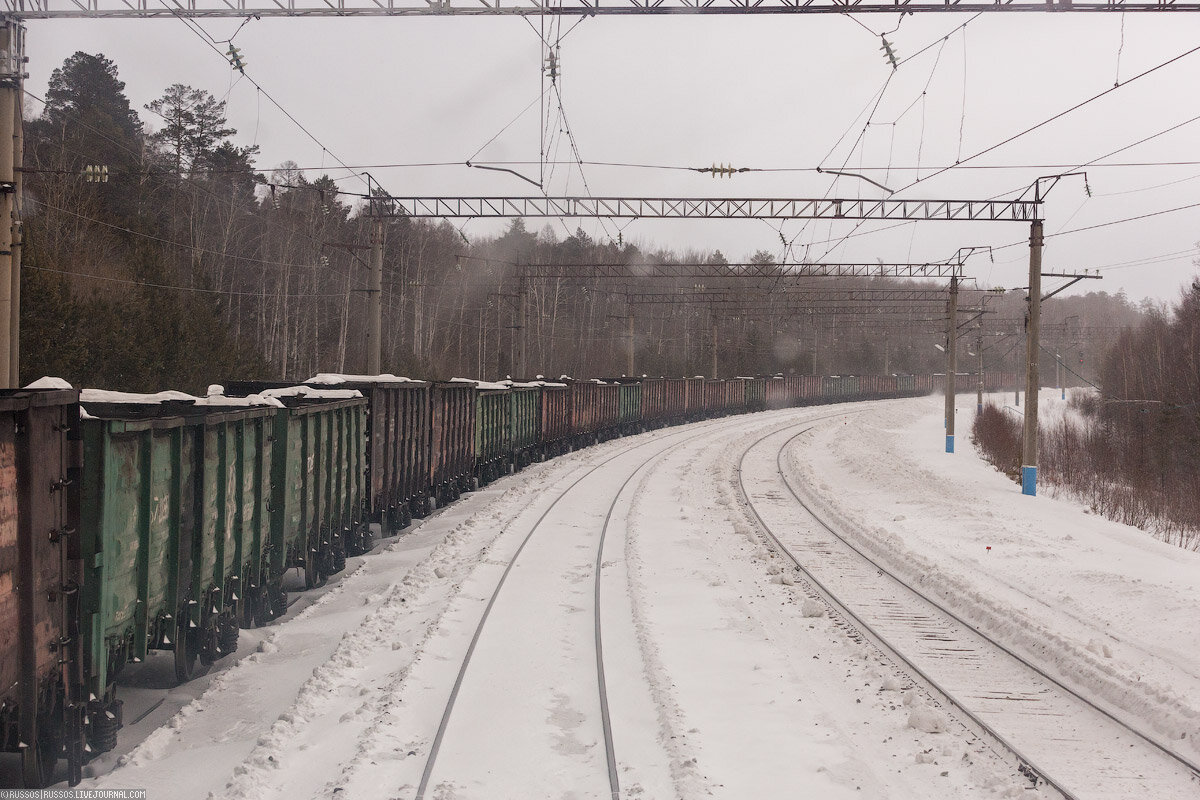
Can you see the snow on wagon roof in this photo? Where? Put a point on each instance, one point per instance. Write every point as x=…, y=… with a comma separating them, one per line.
x=218, y=399
x=49, y=382
x=480, y=384
x=336, y=378
x=313, y=392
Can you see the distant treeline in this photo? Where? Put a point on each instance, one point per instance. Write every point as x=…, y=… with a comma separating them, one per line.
x=189, y=265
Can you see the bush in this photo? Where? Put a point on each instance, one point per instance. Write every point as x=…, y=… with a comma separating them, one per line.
x=998, y=438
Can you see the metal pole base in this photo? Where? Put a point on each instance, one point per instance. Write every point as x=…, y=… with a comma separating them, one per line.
x=1029, y=481
x=979, y=408
x=950, y=443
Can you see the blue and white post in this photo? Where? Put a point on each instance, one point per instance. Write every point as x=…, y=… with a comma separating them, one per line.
x=951, y=359
x=1029, y=443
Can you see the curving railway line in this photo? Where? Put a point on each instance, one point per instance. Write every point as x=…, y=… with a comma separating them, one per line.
x=1059, y=738
x=520, y=636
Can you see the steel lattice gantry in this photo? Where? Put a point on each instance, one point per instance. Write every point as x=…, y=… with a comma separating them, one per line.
x=739, y=271
x=48, y=9
x=706, y=208
x=786, y=296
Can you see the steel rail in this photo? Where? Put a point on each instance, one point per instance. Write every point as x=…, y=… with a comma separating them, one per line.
x=874, y=633
x=864, y=626
x=1147, y=738
x=435, y=748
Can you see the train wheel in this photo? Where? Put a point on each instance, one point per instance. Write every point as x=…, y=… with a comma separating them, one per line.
x=278, y=600
x=247, y=609
x=104, y=721
x=312, y=572
x=210, y=649
x=185, y=653
x=261, y=606
x=227, y=636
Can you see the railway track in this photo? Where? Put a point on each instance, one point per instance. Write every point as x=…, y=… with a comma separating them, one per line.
x=1058, y=738
x=519, y=599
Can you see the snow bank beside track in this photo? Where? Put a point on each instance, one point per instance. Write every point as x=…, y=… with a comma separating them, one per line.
x=1105, y=607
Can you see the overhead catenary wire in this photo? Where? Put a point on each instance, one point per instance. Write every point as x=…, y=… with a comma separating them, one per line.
x=170, y=242
x=207, y=38
x=177, y=287
x=1053, y=118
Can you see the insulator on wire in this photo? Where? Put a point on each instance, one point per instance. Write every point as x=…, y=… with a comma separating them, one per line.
x=889, y=52
x=720, y=170
x=236, y=60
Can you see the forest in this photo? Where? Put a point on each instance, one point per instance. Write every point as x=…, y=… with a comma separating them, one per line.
x=190, y=263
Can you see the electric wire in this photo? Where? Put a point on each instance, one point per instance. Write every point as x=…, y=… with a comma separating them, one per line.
x=1055, y=117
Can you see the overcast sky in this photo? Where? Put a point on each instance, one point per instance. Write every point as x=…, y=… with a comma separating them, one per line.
x=775, y=92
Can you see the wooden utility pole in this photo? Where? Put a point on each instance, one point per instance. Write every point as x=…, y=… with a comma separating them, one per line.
x=375, y=300
x=951, y=360
x=1029, y=442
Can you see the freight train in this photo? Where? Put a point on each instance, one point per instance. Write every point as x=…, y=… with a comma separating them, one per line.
x=132, y=523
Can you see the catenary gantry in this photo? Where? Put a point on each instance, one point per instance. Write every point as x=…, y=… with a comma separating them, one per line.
x=196, y=9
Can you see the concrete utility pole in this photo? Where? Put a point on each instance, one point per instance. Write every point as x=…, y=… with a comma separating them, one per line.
x=979, y=388
x=375, y=301
x=524, y=330
x=714, y=349
x=18, y=234
x=629, y=361
x=12, y=64
x=1029, y=443
x=951, y=361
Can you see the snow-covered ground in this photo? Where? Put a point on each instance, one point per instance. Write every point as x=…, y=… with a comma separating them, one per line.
x=724, y=679
x=1105, y=606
